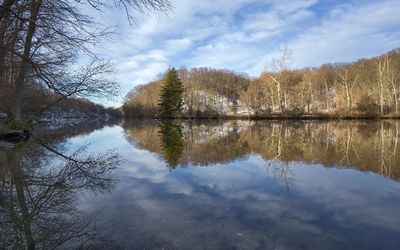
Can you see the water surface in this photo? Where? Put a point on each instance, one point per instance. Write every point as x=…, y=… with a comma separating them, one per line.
x=217, y=185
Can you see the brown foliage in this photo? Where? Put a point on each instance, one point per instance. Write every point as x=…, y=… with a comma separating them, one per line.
x=348, y=90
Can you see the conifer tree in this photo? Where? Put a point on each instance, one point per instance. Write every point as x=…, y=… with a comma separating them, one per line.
x=172, y=142
x=170, y=104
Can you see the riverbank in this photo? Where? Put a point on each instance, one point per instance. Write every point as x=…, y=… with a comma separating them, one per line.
x=12, y=133
x=278, y=117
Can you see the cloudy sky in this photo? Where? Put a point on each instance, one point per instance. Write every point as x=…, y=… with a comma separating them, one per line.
x=244, y=35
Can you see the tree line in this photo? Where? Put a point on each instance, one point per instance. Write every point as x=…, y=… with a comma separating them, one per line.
x=365, y=88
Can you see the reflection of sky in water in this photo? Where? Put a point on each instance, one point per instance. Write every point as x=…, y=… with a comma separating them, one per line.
x=242, y=204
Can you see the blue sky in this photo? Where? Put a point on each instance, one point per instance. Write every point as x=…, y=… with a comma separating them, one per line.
x=244, y=35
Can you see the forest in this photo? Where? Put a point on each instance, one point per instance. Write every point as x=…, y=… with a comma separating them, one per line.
x=367, y=88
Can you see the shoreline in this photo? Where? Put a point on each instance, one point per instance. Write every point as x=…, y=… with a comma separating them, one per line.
x=272, y=118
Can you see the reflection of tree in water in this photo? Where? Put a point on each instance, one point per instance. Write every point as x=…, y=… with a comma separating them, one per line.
x=282, y=171
x=172, y=142
x=38, y=187
x=371, y=146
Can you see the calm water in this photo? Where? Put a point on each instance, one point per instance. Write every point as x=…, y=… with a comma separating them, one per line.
x=205, y=185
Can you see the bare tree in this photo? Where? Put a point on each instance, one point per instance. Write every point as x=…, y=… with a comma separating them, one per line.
x=347, y=83
x=383, y=79
x=279, y=65
x=41, y=40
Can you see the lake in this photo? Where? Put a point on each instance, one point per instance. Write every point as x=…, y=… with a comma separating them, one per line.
x=205, y=185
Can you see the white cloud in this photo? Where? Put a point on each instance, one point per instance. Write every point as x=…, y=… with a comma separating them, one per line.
x=243, y=35
x=349, y=33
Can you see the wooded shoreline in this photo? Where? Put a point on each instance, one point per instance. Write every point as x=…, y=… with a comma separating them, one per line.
x=365, y=89
x=273, y=117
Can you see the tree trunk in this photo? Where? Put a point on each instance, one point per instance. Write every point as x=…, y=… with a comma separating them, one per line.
x=383, y=64
x=311, y=96
x=279, y=91
x=23, y=68
x=326, y=95
x=381, y=94
x=18, y=177
x=348, y=97
x=395, y=97
x=4, y=15
x=272, y=100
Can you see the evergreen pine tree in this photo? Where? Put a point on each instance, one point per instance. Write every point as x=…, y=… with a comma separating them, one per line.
x=172, y=142
x=170, y=104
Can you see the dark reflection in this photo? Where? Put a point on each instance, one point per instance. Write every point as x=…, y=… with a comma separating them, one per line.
x=39, y=183
x=365, y=145
x=172, y=142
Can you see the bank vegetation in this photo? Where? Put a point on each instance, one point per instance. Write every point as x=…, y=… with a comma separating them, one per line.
x=367, y=88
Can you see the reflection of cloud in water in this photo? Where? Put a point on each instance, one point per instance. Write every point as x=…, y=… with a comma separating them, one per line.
x=240, y=204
